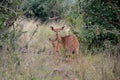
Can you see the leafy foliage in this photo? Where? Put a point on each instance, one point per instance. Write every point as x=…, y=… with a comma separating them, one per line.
x=43, y=9
x=96, y=22
x=10, y=10
x=102, y=15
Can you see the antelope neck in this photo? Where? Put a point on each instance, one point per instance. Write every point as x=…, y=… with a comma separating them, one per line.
x=59, y=38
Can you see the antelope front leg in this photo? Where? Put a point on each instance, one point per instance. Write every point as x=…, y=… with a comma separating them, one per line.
x=58, y=56
x=65, y=56
x=71, y=58
x=77, y=58
x=55, y=55
x=77, y=55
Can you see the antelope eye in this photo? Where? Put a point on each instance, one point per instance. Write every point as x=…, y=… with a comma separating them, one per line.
x=53, y=45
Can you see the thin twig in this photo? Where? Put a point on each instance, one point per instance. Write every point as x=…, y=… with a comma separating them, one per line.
x=31, y=36
x=117, y=33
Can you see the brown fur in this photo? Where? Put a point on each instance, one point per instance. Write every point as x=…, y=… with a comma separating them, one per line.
x=70, y=42
x=56, y=46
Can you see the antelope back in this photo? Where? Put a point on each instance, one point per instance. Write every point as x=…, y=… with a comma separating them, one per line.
x=70, y=43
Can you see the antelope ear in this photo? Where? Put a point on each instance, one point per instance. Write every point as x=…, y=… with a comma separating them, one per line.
x=51, y=27
x=62, y=27
x=50, y=39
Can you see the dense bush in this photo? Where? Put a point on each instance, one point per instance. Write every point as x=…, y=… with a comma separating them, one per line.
x=43, y=9
x=102, y=15
x=100, y=22
x=10, y=10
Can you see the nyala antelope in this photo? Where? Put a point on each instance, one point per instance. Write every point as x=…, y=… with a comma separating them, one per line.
x=70, y=43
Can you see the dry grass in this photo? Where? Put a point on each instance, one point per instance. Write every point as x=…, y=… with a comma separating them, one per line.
x=36, y=61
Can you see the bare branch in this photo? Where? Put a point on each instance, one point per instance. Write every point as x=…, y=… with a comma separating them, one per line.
x=26, y=45
x=55, y=18
x=113, y=32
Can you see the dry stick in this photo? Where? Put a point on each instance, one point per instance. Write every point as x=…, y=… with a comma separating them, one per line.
x=55, y=18
x=117, y=33
x=13, y=36
x=31, y=36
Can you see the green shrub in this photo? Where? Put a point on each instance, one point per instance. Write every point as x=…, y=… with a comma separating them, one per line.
x=43, y=9
x=95, y=22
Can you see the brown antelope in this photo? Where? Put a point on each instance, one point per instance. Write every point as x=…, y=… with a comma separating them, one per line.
x=70, y=43
x=56, y=46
